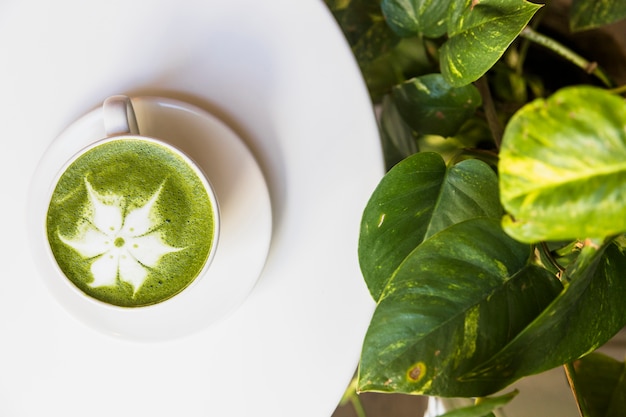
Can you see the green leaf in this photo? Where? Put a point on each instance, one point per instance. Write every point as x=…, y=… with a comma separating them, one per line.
x=399, y=141
x=588, y=14
x=453, y=303
x=563, y=167
x=618, y=400
x=431, y=106
x=412, y=17
x=365, y=29
x=601, y=382
x=483, y=407
x=583, y=317
x=375, y=42
x=416, y=199
x=407, y=59
x=479, y=33
x=473, y=141
x=508, y=85
x=384, y=58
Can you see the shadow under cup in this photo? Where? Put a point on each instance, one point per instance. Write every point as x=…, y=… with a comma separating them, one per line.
x=132, y=221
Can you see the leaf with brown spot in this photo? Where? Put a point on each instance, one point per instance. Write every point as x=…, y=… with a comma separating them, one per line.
x=441, y=312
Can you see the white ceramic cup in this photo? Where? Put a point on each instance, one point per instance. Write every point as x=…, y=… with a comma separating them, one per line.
x=132, y=221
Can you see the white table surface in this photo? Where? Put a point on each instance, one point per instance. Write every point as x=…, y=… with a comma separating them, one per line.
x=280, y=74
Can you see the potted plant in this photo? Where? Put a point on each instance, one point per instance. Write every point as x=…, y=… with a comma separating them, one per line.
x=494, y=246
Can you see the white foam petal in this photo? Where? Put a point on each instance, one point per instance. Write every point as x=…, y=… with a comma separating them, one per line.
x=149, y=249
x=107, y=218
x=131, y=271
x=91, y=243
x=138, y=221
x=104, y=269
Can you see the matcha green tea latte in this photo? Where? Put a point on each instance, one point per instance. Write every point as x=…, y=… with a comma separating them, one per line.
x=131, y=222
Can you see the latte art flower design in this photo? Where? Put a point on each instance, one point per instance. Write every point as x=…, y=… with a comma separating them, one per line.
x=121, y=245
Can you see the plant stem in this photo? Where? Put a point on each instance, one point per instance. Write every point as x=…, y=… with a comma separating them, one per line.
x=491, y=114
x=350, y=395
x=487, y=156
x=358, y=406
x=548, y=253
x=570, y=372
x=618, y=90
x=568, y=54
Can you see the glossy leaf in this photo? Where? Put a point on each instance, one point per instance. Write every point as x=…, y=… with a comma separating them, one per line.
x=588, y=14
x=479, y=33
x=412, y=17
x=484, y=407
x=563, y=167
x=453, y=303
x=416, y=199
x=431, y=106
x=601, y=383
x=583, y=317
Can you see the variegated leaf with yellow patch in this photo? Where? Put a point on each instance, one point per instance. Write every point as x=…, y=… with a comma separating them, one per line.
x=563, y=167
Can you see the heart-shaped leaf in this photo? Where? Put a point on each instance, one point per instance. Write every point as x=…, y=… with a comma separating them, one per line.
x=412, y=17
x=583, y=317
x=479, y=32
x=563, y=167
x=452, y=304
x=431, y=106
x=416, y=199
x=588, y=14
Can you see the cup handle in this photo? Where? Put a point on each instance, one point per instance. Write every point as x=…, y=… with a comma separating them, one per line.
x=119, y=116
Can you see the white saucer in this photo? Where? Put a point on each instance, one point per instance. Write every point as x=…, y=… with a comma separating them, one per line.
x=245, y=212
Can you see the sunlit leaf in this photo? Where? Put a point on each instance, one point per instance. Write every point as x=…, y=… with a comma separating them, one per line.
x=412, y=17
x=453, y=303
x=563, y=167
x=416, y=199
x=479, y=33
x=601, y=382
x=588, y=14
x=473, y=140
x=583, y=317
x=431, y=106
